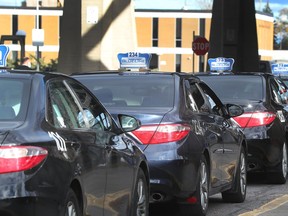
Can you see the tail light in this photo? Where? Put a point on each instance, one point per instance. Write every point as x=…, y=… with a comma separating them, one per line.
x=255, y=119
x=163, y=133
x=20, y=158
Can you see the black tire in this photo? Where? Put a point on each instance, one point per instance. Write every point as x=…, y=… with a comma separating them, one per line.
x=140, y=205
x=238, y=192
x=71, y=204
x=202, y=193
x=279, y=177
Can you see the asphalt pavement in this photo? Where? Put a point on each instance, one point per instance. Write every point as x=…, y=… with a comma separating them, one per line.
x=276, y=207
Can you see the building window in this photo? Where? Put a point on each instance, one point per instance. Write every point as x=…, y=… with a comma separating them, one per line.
x=178, y=32
x=155, y=32
x=178, y=63
x=154, y=61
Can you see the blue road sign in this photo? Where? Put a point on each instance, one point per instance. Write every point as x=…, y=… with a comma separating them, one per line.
x=4, y=51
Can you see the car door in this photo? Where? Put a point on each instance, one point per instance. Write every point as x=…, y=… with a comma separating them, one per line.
x=279, y=102
x=230, y=135
x=82, y=147
x=118, y=155
x=210, y=131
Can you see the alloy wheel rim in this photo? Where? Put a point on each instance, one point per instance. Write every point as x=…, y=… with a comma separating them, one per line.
x=284, y=161
x=141, y=202
x=203, y=186
x=243, y=174
x=70, y=211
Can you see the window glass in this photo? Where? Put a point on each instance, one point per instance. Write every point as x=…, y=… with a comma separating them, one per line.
x=275, y=89
x=191, y=104
x=135, y=91
x=197, y=96
x=240, y=87
x=214, y=102
x=62, y=108
x=14, y=99
x=93, y=115
x=283, y=91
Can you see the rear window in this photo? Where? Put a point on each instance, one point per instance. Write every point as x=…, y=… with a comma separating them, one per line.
x=132, y=90
x=236, y=87
x=13, y=99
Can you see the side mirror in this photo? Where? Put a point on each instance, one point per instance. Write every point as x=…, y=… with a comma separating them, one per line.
x=128, y=123
x=234, y=110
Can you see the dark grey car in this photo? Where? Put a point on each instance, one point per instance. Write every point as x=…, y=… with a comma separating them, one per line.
x=193, y=147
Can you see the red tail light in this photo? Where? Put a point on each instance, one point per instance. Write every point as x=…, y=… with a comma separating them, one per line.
x=154, y=134
x=255, y=119
x=20, y=158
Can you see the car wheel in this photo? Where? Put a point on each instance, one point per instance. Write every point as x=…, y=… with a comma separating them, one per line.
x=238, y=192
x=280, y=176
x=71, y=207
x=202, y=194
x=141, y=196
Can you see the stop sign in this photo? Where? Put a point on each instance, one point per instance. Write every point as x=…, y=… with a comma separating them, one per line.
x=200, y=46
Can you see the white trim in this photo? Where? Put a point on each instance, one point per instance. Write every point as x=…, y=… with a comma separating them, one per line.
x=30, y=48
x=31, y=12
x=168, y=14
x=278, y=55
x=264, y=17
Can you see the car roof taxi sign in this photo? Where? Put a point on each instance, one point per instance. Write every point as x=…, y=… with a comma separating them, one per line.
x=134, y=60
x=279, y=69
x=4, y=50
x=221, y=64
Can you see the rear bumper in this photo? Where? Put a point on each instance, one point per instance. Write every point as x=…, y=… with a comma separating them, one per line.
x=265, y=146
x=171, y=179
x=263, y=155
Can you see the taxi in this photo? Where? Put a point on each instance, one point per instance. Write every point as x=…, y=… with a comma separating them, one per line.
x=193, y=147
x=61, y=152
x=263, y=96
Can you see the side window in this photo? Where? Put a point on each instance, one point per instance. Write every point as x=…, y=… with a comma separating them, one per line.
x=94, y=115
x=283, y=91
x=62, y=109
x=214, y=102
x=195, y=99
x=275, y=90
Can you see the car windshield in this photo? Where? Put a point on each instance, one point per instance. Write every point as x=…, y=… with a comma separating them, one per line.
x=132, y=90
x=13, y=99
x=236, y=87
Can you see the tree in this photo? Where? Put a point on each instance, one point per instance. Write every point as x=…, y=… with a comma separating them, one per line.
x=267, y=9
x=205, y=4
x=281, y=30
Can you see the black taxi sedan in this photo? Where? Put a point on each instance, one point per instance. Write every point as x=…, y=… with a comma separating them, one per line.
x=264, y=99
x=61, y=153
x=194, y=148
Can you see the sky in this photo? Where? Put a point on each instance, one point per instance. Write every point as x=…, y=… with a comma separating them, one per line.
x=275, y=5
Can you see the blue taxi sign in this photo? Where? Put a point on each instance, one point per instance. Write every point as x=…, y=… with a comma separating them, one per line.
x=279, y=69
x=4, y=50
x=134, y=60
x=221, y=64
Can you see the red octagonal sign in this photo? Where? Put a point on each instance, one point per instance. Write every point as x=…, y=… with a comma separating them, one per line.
x=200, y=46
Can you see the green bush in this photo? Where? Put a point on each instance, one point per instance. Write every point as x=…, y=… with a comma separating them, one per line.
x=50, y=66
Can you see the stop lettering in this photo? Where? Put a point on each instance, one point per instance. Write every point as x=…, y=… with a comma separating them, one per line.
x=200, y=46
